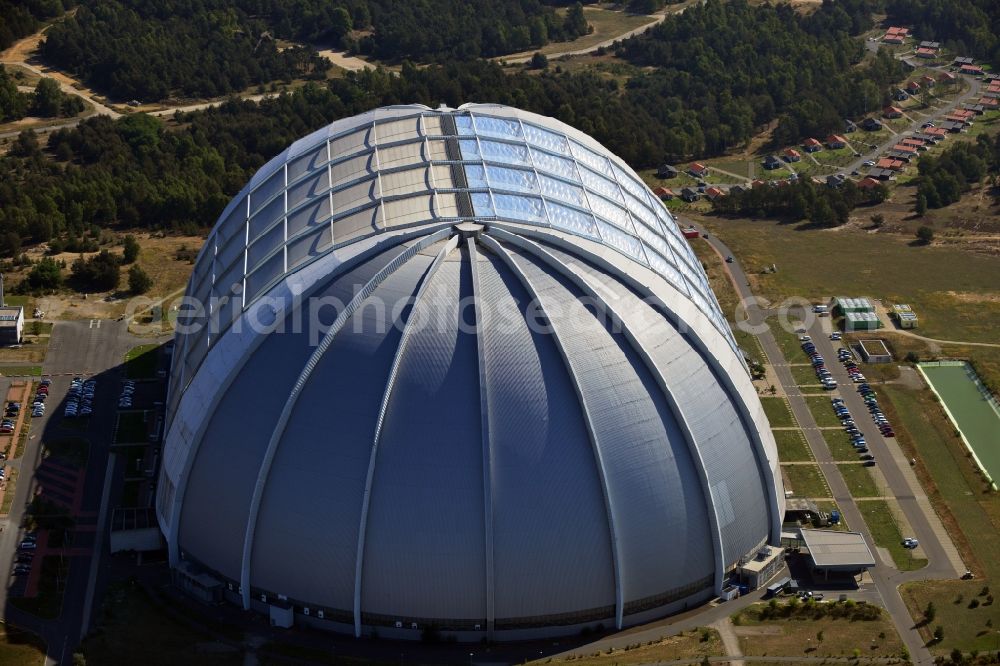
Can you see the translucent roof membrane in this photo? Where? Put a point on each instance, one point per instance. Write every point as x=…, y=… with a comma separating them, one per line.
x=394, y=168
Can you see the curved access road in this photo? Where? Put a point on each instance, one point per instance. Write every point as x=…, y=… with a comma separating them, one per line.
x=655, y=19
x=943, y=559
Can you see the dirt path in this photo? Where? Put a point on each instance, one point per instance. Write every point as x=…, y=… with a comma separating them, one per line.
x=344, y=61
x=730, y=641
x=655, y=19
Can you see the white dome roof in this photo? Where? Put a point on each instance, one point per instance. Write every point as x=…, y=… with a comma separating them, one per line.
x=498, y=458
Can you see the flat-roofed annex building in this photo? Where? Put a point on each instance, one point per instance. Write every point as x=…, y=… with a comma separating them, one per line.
x=11, y=324
x=554, y=430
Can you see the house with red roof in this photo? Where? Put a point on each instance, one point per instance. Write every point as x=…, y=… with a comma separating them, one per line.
x=973, y=70
x=912, y=87
x=835, y=141
x=664, y=193
x=714, y=193
x=903, y=148
x=868, y=183
x=698, y=170
x=893, y=38
x=792, y=155
x=946, y=77
x=892, y=112
x=928, y=81
x=811, y=145
x=888, y=163
x=936, y=131
x=924, y=52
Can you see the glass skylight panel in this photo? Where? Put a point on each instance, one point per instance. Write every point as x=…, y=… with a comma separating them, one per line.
x=510, y=129
x=666, y=270
x=470, y=149
x=617, y=238
x=229, y=253
x=309, y=215
x=558, y=166
x=224, y=284
x=401, y=155
x=464, y=125
x=599, y=184
x=508, y=153
x=475, y=174
x=675, y=245
x=432, y=125
x=503, y=178
x=352, y=169
x=641, y=211
x=653, y=239
x=266, y=244
x=527, y=209
x=590, y=158
x=308, y=245
x=610, y=212
x=270, y=187
x=628, y=183
x=572, y=220
x=405, y=182
x=269, y=271
x=349, y=144
x=543, y=138
x=266, y=217
x=482, y=205
x=398, y=130
x=235, y=223
x=445, y=204
x=553, y=188
x=311, y=161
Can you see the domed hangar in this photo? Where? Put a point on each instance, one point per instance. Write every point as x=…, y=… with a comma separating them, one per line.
x=458, y=368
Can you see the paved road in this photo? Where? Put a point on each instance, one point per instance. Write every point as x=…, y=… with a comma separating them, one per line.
x=933, y=116
x=86, y=348
x=935, y=541
x=657, y=19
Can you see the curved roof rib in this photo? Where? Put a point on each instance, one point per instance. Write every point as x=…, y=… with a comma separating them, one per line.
x=386, y=396
x=598, y=456
x=279, y=427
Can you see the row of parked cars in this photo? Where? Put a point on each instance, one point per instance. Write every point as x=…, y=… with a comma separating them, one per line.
x=41, y=395
x=819, y=364
x=851, y=428
x=25, y=554
x=125, y=399
x=847, y=358
x=871, y=400
x=80, y=399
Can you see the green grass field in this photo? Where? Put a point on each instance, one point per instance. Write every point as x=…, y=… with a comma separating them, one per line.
x=20, y=648
x=8, y=494
x=886, y=533
x=840, y=445
x=21, y=370
x=804, y=375
x=970, y=513
x=957, y=300
x=788, y=340
x=805, y=480
x=792, y=446
x=798, y=635
x=135, y=630
x=822, y=410
x=779, y=414
x=859, y=481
